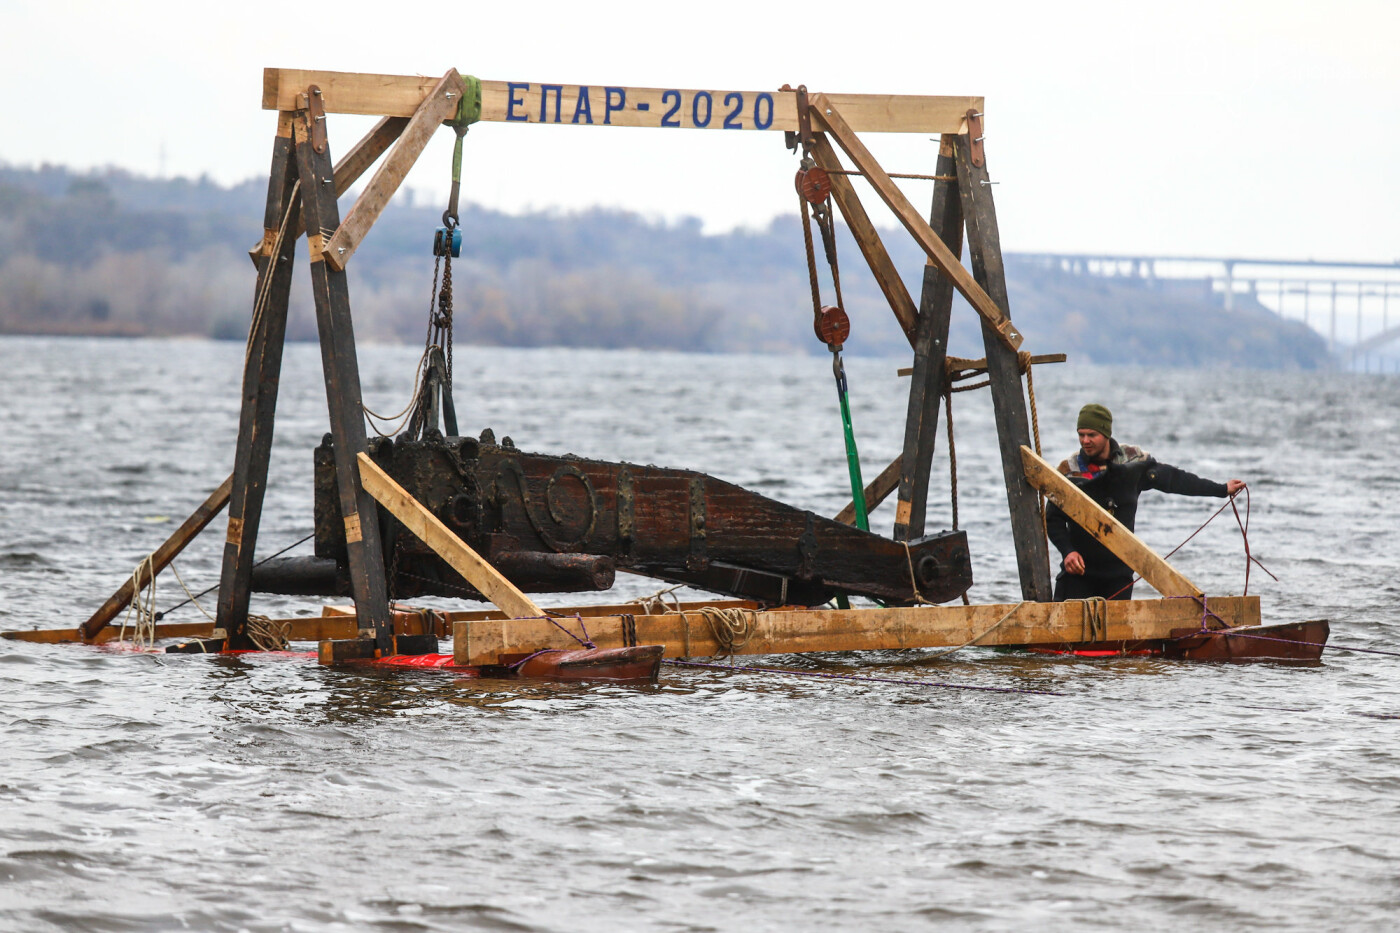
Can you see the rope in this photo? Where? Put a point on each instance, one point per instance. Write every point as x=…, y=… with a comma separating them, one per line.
x=265, y=286
x=862, y=679
x=731, y=628
x=1094, y=626
x=403, y=414
x=268, y=634
x=140, y=613
x=206, y=592
x=913, y=581
x=1009, y=614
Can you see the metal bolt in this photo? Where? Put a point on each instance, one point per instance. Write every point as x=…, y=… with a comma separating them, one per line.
x=990, y=182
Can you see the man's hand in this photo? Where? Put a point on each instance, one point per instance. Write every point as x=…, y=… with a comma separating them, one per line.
x=1233, y=486
x=1074, y=563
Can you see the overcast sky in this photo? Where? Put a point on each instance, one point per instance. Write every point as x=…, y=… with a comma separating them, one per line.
x=1258, y=129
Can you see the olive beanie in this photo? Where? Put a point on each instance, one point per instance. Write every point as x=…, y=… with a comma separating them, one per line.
x=1096, y=418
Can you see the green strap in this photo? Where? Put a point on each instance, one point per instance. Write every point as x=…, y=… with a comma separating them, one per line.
x=469, y=107
x=852, y=456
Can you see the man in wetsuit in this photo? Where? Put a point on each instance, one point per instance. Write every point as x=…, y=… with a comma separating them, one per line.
x=1113, y=475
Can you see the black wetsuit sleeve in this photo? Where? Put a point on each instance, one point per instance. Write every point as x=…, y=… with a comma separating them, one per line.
x=1167, y=478
x=1057, y=527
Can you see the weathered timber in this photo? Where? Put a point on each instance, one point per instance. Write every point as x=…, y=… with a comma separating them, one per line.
x=530, y=571
x=159, y=560
x=1004, y=375
x=993, y=315
x=791, y=631
x=1106, y=529
x=348, y=170
x=262, y=373
x=440, y=105
x=602, y=105
x=877, y=491
x=364, y=553
x=676, y=525
x=930, y=374
x=429, y=529
x=867, y=238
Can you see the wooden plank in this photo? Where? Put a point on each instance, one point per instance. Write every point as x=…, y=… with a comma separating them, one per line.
x=341, y=370
x=867, y=238
x=878, y=491
x=826, y=112
x=616, y=105
x=930, y=382
x=262, y=373
x=795, y=631
x=1004, y=376
x=440, y=105
x=1107, y=530
x=432, y=532
x=160, y=559
x=348, y=170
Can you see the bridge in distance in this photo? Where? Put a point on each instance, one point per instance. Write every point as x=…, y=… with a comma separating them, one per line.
x=1355, y=305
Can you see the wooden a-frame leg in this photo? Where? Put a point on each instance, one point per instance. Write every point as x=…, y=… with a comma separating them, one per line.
x=262, y=370
x=930, y=376
x=1004, y=374
x=342, y=375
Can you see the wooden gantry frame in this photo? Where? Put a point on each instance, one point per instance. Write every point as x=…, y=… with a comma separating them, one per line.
x=302, y=197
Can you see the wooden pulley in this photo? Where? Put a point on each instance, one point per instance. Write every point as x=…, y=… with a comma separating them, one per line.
x=832, y=326
x=814, y=184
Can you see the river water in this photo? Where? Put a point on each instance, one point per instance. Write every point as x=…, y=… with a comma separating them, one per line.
x=160, y=792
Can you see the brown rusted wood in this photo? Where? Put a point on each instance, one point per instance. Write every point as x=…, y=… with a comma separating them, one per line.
x=675, y=525
x=440, y=105
x=342, y=377
x=160, y=559
x=804, y=630
x=877, y=491
x=635, y=664
x=930, y=376
x=867, y=238
x=1004, y=375
x=262, y=373
x=1296, y=641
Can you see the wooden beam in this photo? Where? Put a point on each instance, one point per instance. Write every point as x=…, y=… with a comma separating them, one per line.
x=794, y=631
x=160, y=559
x=262, y=375
x=344, y=403
x=440, y=105
x=1107, y=530
x=1003, y=375
x=867, y=238
x=878, y=491
x=611, y=105
x=432, y=532
x=348, y=170
x=826, y=112
x=930, y=382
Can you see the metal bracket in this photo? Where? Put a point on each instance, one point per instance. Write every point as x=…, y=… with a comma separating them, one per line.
x=974, y=135
x=316, y=119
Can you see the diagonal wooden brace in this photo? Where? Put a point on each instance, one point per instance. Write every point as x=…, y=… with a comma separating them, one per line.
x=1107, y=530
x=914, y=222
x=439, y=106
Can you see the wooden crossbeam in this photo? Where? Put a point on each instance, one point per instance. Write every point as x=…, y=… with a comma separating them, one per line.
x=1107, y=530
x=439, y=105
x=430, y=529
x=793, y=631
x=615, y=105
x=160, y=559
x=826, y=111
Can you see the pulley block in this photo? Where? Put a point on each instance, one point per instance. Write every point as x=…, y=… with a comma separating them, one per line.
x=832, y=327
x=814, y=184
x=447, y=241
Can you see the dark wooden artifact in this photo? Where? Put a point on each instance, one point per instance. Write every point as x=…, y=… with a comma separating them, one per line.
x=562, y=523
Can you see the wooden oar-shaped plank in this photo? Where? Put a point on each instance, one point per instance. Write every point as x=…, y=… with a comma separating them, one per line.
x=160, y=559
x=458, y=554
x=1107, y=530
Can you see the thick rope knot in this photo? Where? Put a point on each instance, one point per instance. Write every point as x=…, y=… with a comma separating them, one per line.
x=1095, y=623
